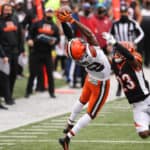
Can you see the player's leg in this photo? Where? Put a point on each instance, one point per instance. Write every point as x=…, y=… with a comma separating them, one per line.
x=75, y=111
x=78, y=106
x=82, y=122
x=141, y=118
x=97, y=99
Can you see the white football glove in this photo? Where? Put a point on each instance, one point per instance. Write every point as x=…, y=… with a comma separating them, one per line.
x=109, y=38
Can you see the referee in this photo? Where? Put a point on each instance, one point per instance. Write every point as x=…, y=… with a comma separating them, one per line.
x=126, y=29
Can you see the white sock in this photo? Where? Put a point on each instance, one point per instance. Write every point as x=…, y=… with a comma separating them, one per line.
x=76, y=110
x=82, y=122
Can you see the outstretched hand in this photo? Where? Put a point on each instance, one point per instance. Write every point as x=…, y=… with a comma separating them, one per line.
x=64, y=14
x=109, y=38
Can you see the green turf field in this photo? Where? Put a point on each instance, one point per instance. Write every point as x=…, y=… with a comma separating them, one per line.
x=112, y=130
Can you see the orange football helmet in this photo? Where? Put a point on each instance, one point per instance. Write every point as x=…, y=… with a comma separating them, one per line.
x=76, y=49
x=80, y=51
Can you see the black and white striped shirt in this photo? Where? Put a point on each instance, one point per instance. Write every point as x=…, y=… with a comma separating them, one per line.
x=127, y=30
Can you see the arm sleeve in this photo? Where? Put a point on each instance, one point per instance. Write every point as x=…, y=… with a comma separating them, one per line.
x=68, y=30
x=124, y=51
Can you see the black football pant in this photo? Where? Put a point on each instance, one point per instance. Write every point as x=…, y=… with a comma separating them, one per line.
x=36, y=62
x=13, y=60
x=7, y=82
x=5, y=87
x=62, y=60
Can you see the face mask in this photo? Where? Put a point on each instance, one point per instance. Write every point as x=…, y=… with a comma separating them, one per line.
x=87, y=12
x=118, y=58
x=101, y=11
x=147, y=4
x=124, y=18
x=86, y=59
x=7, y=16
x=48, y=18
x=19, y=8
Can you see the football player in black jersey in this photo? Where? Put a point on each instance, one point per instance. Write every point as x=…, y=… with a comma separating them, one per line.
x=127, y=66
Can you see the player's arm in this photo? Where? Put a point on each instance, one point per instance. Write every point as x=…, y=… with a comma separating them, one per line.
x=112, y=41
x=65, y=16
x=87, y=33
x=67, y=30
x=123, y=51
x=134, y=58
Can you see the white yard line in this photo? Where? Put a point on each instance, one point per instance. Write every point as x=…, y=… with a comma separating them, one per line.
x=28, y=133
x=46, y=127
x=82, y=141
x=9, y=144
x=112, y=141
x=112, y=124
x=15, y=136
x=57, y=125
x=54, y=123
x=8, y=140
x=58, y=120
x=117, y=107
x=106, y=112
x=39, y=130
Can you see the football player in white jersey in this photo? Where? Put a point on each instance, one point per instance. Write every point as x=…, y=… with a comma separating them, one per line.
x=96, y=87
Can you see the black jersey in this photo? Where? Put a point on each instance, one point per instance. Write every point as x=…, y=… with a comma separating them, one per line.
x=133, y=82
x=41, y=32
x=11, y=40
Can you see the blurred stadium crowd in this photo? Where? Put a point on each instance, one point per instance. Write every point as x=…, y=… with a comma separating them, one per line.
x=31, y=34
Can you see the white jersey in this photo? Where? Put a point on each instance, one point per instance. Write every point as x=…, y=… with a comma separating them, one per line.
x=99, y=67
